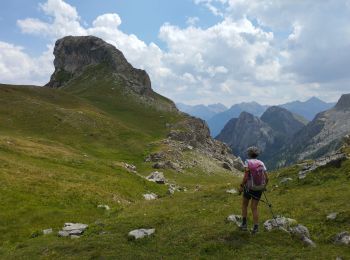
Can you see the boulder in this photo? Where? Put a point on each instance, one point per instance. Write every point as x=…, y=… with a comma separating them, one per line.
x=302, y=233
x=299, y=231
x=279, y=223
x=72, y=229
x=157, y=177
x=150, y=196
x=237, y=219
x=141, y=233
x=342, y=238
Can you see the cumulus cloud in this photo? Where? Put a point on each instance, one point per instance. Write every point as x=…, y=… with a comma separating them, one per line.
x=18, y=67
x=269, y=51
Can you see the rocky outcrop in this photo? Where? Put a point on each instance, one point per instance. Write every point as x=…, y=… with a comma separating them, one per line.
x=334, y=159
x=194, y=133
x=322, y=136
x=73, y=54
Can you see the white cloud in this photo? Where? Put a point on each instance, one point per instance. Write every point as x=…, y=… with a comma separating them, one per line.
x=17, y=67
x=269, y=51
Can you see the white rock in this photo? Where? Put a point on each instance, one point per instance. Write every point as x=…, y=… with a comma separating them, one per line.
x=307, y=241
x=47, y=231
x=157, y=177
x=150, y=196
x=300, y=231
x=235, y=219
x=74, y=226
x=106, y=207
x=232, y=191
x=278, y=223
x=141, y=233
x=342, y=238
x=332, y=216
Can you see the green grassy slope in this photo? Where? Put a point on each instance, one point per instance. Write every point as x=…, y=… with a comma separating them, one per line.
x=61, y=154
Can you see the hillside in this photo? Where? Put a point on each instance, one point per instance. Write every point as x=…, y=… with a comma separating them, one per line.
x=70, y=147
x=321, y=136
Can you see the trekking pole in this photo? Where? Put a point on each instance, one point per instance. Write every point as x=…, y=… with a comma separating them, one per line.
x=270, y=207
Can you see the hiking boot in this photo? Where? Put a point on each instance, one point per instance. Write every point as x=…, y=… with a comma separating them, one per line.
x=243, y=227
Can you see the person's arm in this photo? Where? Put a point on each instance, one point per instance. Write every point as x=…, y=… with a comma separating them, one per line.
x=245, y=179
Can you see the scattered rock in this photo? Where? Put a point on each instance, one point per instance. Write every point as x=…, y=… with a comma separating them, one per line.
x=333, y=159
x=290, y=225
x=172, y=188
x=106, y=207
x=342, y=238
x=237, y=219
x=157, y=177
x=47, y=231
x=72, y=229
x=141, y=233
x=279, y=223
x=232, y=191
x=302, y=233
x=150, y=196
x=155, y=157
x=198, y=188
x=226, y=166
x=332, y=216
x=285, y=180
x=167, y=165
x=308, y=242
x=130, y=167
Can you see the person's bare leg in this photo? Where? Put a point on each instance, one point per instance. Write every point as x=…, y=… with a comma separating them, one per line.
x=254, y=207
x=245, y=203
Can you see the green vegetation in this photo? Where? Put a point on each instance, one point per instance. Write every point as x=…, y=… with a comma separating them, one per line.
x=61, y=154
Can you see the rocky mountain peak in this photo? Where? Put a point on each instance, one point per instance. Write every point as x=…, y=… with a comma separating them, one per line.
x=343, y=103
x=73, y=54
x=282, y=120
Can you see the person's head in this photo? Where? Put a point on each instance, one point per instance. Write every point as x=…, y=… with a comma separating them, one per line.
x=253, y=152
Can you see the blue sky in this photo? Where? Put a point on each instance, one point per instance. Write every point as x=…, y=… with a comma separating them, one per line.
x=195, y=51
x=142, y=17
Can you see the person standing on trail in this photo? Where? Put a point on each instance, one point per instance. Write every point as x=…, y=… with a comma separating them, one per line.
x=254, y=182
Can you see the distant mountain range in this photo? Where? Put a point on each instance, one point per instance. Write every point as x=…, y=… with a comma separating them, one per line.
x=284, y=138
x=218, y=115
x=270, y=132
x=202, y=111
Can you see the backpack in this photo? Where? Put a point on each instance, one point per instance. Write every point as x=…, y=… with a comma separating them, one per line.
x=257, y=179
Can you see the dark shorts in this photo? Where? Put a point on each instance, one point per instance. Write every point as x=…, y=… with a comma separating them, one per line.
x=252, y=194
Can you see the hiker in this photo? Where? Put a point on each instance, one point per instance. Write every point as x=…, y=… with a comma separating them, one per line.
x=254, y=182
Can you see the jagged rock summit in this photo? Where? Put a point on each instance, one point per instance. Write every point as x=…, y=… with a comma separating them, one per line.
x=343, y=103
x=73, y=54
